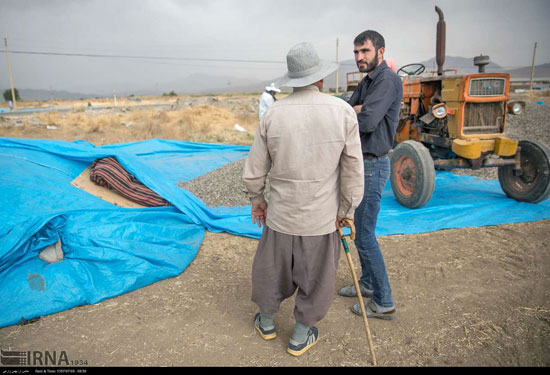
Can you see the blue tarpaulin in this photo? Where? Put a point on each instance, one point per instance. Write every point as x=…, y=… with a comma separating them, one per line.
x=109, y=250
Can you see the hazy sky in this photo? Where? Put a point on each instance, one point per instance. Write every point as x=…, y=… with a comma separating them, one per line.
x=187, y=37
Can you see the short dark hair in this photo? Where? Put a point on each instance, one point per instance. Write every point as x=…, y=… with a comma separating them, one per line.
x=376, y=39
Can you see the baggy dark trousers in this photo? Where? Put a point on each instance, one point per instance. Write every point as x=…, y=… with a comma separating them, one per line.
x=284, y=263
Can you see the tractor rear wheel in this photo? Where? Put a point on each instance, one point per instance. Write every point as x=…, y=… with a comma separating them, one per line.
x=412, y=174
x=533, y=184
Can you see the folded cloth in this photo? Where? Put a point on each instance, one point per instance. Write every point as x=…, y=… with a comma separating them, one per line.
x=109, y=173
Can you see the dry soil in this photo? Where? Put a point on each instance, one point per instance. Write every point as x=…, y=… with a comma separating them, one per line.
x=465, y=297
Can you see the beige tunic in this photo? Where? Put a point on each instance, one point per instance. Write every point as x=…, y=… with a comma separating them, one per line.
x=309, y=144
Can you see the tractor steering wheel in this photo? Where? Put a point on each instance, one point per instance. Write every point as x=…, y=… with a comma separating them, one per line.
x=411, y=70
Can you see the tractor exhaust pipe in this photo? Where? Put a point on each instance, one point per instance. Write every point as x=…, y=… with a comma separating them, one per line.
x=440, y=42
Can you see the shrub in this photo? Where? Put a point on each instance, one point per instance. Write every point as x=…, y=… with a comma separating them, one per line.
x=7, y=95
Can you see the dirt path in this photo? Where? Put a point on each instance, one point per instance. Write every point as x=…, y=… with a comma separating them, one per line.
x=465, y=297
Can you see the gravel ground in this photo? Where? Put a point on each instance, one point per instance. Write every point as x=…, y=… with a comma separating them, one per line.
x=224, y=187
x=533, y=124
x=221, y=187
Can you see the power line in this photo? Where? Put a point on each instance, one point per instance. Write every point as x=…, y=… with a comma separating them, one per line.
x=186, y=58
x=145, y=57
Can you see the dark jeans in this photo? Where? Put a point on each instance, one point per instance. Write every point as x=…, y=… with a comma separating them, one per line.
x=374, y=273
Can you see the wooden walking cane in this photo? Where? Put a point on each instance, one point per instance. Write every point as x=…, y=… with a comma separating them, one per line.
x=356, y=283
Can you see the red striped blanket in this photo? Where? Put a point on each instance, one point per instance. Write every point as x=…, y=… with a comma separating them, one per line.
x=108, y=172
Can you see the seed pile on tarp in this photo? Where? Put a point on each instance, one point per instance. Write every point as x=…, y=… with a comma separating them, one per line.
x=533, y=124
x=221, y=187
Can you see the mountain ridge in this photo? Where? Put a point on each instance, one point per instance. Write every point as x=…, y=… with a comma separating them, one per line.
x=207, y=84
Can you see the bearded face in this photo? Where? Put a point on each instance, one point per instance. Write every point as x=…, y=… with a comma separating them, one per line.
x=368, y=66
x=367, y=57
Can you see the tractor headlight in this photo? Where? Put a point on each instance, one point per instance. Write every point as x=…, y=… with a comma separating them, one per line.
x=515, y=108
x=439, y=111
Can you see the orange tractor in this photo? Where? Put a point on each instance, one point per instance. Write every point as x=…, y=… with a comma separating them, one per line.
x=457, y=121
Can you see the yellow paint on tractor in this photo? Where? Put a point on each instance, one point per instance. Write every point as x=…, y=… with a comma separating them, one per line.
x=505, y=146
x=452, y=90
x=472, y=148
x=467, y=148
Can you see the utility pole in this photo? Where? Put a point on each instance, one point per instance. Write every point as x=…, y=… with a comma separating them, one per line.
x=337, y=66
x=11, y=79
x=533, y=67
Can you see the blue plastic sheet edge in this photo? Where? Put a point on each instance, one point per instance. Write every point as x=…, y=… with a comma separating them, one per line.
x=108, y=250
x=111, y=250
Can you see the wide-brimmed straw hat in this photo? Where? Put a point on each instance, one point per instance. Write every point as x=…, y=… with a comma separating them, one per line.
x=272, y=87
x=304, y=66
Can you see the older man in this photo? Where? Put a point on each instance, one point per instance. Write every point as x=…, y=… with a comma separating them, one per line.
x=309, y=144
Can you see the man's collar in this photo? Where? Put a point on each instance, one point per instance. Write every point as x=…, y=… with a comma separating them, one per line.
x=377, y=70
x=309, y=87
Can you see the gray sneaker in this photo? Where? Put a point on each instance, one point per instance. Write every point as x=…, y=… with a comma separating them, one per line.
x=266, y=333
x=373, y=311
x=297, y=349
x=349, y=291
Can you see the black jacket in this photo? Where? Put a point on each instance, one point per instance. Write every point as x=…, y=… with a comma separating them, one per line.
x=380, y=94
